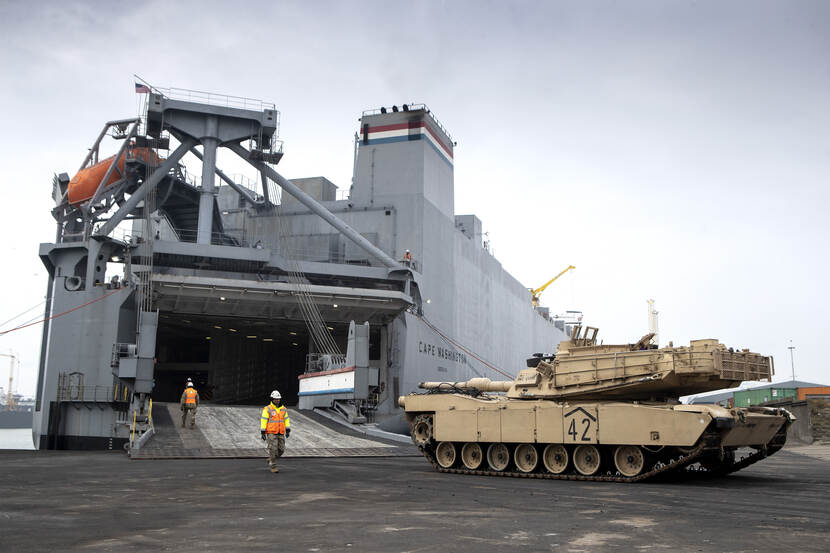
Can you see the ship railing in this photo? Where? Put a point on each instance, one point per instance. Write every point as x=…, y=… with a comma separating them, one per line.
x=413, y=263
x=413, y=107
x=120, y=350
x=190, y=235
x=242, y=237
x=127, y=235
x=213, y=99
x=254, y=185
x=93, y=394
x=319, y=362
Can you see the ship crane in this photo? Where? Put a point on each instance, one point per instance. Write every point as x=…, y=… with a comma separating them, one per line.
x=9, y=396
x=538, y=291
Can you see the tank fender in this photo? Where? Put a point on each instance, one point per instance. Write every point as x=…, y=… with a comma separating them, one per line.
x=779, y=411
x=714, y=411
x=724, y=419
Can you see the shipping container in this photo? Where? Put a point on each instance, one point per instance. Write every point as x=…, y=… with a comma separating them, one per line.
x=820, y=391
x=758, y=396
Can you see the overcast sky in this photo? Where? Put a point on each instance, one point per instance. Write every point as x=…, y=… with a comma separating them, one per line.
x=670, y=150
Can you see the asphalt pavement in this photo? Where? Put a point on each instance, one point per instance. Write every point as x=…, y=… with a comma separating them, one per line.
x=82, y=501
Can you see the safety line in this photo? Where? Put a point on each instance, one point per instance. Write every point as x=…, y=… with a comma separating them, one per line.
x=21, y=314
x=63, y=313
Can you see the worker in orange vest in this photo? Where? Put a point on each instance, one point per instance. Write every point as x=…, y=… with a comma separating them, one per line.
x=188, y=403
x=275, y=428
x=407, y=258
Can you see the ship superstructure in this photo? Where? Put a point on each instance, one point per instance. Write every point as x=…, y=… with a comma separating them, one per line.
x=247, y=284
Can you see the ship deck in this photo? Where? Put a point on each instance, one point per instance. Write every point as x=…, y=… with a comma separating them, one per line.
x=97, y=501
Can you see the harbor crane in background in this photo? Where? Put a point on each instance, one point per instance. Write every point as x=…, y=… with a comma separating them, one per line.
x=538, y=291
x=10, y=395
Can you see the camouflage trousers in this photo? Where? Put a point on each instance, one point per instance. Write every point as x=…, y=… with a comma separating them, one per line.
x=276, y=447
x=192, y=410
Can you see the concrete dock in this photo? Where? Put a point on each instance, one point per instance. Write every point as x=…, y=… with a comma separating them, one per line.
x=78, y=501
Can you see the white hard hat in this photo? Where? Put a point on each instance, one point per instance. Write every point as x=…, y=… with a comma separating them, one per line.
x=407, y=250
x=276, y=394
x=189, y=384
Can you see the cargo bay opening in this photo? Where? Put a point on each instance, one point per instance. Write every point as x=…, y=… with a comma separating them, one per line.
x=239, y=361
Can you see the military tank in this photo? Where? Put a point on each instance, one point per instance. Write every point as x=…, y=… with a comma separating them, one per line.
x=599, y=412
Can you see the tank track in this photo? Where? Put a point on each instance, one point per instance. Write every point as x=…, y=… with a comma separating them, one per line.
x=774, y=445
x=659, y=468
x=680, y=465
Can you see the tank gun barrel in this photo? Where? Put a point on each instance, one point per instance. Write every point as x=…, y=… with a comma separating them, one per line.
x=481, y=384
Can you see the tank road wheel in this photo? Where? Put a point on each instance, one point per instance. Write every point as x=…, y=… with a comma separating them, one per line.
x=471, y=455
x=629, y=460
x=555, y=458
x=526, y=458
x=498, y=457
x=422, y=430
x=586, y=459
x=445, y=454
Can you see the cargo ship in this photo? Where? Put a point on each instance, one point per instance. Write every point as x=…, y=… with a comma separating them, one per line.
x=246, y=284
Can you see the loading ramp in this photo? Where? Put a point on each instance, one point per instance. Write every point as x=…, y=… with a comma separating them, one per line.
x=233, y=432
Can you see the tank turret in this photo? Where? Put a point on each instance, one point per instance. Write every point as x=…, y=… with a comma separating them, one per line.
x=600, y=412
x=582, y=369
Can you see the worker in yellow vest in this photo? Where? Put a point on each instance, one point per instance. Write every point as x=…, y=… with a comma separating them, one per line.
x=275, y=428
x=188, y=403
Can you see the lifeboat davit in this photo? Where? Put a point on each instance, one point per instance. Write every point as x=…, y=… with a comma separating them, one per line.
x=83, y=185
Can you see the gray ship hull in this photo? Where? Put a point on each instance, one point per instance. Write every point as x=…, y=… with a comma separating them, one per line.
x=225, y=288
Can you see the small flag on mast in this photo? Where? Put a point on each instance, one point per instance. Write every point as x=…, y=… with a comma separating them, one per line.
x=142, y=88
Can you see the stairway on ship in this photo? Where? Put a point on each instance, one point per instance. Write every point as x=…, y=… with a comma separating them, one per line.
x=233, y=432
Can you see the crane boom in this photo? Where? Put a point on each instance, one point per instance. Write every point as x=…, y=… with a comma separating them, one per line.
x=535, y=293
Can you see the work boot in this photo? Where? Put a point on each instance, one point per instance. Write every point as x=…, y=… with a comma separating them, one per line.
x=274, y=469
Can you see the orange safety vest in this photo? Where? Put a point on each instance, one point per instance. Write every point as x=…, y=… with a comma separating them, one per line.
x=190, y=396
x=276, y=420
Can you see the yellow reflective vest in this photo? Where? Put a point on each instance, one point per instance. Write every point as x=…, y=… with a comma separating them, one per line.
x=274, y=419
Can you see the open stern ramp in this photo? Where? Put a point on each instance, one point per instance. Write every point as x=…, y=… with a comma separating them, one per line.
x=233, y=432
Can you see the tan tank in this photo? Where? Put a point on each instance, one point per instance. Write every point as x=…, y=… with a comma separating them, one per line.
x=599, y=412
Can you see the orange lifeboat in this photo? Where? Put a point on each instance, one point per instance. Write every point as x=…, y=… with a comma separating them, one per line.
x=83, y=185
